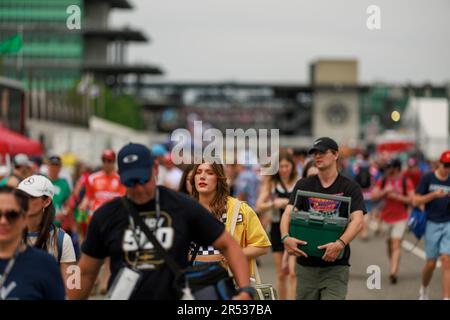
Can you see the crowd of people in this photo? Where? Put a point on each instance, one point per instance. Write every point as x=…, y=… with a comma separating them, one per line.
x=210, y=213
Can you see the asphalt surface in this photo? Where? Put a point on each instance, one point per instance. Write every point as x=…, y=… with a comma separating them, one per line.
x=373, y=252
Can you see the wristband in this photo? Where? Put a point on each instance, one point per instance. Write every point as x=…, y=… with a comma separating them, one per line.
x=284, y=237
x=342, y=241
x=249, y=289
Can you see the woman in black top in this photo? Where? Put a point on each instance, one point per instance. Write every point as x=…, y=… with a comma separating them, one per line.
x=185, y=182
x=274, y=197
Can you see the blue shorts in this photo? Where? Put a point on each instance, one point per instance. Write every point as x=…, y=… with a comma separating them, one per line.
x=437, y=239
x=368, y=205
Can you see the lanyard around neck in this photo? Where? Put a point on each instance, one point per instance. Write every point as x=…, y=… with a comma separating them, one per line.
x=9, y=266
x=158, y=214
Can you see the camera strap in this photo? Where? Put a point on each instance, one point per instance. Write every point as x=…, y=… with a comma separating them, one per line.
x=150, y=236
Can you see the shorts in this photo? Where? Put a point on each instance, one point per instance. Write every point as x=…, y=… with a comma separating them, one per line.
x=395, y=230
x=275, y=238
x=368, y=205
x=437, y=239
x=322, y=283
x=202, y=263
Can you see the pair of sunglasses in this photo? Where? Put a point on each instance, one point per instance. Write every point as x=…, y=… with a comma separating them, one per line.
x=10, y=215
x=446, y=165
x=133, y=182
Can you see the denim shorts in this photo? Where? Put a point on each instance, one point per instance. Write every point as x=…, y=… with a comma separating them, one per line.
x=368, y=203
x=437, y=239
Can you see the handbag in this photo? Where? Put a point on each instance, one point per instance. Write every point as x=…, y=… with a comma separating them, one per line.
x=206, y=282
x=201, y=282
x=417, y=222
x=265, y=291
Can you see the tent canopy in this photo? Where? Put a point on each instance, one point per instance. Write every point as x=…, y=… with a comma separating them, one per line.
x=396, y=146
x=14, y=143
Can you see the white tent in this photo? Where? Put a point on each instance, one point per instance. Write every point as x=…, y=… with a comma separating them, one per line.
x=428, y=120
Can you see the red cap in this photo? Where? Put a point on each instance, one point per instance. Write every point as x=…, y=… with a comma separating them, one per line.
x=109, y=154
x=445, y=157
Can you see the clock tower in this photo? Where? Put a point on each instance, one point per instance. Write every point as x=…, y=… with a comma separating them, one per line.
x=336, y=105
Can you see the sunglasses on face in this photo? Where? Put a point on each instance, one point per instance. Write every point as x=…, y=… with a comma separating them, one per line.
x=108, y=161
x=133, y=182
x=10, y=215
x=447, y=165
x=319, y=153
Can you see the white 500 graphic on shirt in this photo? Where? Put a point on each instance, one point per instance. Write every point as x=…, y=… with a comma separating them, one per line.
x=139, y=252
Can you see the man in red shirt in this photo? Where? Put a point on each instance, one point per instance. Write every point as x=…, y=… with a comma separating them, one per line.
x=102, y=186
x=397, y=193
x=413, y=172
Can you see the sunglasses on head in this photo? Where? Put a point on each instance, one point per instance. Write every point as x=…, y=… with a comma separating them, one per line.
x=10, y=215
x=133, y=182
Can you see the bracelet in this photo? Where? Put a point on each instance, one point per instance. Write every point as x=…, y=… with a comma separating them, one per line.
x=249, y=289
x=284, y=237
x=342, y=241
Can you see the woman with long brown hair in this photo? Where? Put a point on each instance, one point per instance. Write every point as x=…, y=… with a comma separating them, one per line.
x=211, y=189
x=41, y=231
x=274, y=197
x=185, y=181
x=26, y=273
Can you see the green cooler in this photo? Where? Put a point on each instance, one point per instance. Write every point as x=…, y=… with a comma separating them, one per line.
x=317, y=228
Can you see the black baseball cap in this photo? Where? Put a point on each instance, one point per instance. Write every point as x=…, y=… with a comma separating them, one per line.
x=394, y=163
x=55, y=160
x=323, y=144
x=135, y=162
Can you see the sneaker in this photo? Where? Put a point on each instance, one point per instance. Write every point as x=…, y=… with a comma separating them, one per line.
x=423, y=294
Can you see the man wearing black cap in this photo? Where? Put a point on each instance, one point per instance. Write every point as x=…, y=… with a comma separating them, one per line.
x=62, y=188
x=326, y=277
x=179, y=221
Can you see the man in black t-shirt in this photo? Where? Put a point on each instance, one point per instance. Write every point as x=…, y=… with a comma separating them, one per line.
x=181, y=220
x=325, y=277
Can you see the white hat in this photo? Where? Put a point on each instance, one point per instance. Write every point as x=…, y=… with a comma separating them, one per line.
x=22, y=159
x=37, y=186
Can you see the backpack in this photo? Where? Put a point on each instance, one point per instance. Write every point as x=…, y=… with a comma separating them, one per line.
x=417, y=222
x=363, y=178
x=59, y=243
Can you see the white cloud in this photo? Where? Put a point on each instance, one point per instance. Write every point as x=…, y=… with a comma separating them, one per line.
x=268, y=40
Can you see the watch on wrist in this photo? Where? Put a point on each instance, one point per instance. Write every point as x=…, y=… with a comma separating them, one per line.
x=248, y=289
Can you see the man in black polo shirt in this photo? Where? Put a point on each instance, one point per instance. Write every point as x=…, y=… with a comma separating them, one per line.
x=326, y=277
x=181, y=220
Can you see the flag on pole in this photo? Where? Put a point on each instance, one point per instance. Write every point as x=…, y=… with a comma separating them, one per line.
x=12, y=44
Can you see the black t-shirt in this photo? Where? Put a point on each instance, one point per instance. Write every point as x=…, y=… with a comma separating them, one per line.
x=342, y=186
x=181, y=221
